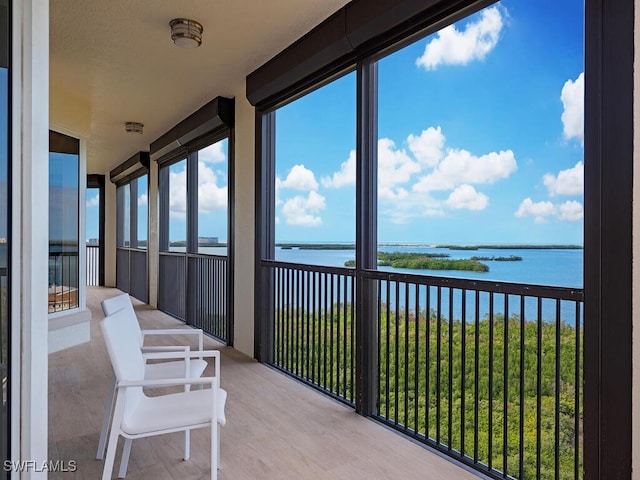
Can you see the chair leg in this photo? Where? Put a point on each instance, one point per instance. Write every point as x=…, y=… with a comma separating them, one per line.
x=187, y=445
x=111, y=455
x=124, y=461
x=214, y=450
x=218, y=447
x=102, y=443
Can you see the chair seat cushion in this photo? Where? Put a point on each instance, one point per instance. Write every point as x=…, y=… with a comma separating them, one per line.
x=155, y=371
x=174, y=411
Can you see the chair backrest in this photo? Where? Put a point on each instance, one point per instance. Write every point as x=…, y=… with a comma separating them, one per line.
x=119, y=332
x=122, y=302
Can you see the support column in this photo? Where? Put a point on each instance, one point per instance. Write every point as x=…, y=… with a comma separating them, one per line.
x=110, y=222
x=153, y=236
x=244, y=234
x=29, y=256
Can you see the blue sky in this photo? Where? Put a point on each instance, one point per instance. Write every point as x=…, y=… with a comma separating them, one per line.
x=480, y=140
x=480, y=137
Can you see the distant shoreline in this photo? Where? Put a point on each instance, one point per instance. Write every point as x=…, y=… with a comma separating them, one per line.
x=351, y=246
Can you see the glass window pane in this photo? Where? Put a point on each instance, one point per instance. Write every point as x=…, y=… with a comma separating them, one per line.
x=92, y=222
x=315, y=176
x=178, y=207
x=213, y=165
x=64, y=194
x=142, y=207
x=480, y=143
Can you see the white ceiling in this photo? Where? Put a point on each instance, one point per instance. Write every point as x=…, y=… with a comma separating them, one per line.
x=113, y=61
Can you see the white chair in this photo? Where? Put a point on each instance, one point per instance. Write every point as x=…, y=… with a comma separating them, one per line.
x=169, y=369
x=137, y=415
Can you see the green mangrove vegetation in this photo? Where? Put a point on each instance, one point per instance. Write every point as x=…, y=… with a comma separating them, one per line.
x=447, y=381
x=510, y=258
x=426, y=261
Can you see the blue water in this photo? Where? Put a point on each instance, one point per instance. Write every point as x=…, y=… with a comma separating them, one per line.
x=552, y=267
x=556, y=267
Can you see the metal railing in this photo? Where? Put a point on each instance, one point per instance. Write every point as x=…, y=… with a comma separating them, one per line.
x=488, y=373
x=93, y=265
x=314, y=331
x=193, y=288
x=63, y=281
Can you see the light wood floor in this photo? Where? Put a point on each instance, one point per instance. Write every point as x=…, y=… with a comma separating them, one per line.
x=276, y=427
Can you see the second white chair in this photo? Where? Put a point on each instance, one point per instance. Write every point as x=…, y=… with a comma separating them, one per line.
x=137, y=415
x=185, y=368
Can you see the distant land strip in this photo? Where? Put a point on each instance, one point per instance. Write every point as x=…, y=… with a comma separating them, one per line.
x=352, y=246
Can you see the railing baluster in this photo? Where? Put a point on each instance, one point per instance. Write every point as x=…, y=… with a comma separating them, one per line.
x=505, y=388
x=578, y=384
x=450, y=373
x=438, y=362
x=406, y=356
x=557, y=399
x=523, y=346
x=490, y=436
x=539, y=389
x=416, y=362
x=463, y=373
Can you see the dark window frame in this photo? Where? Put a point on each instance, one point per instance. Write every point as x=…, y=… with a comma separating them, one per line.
x=124, y=175
x=66, y=144
x=609, y=50
x=98, y=181
x=210, y=124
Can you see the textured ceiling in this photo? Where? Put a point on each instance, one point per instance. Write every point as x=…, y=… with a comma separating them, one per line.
x=114, y=61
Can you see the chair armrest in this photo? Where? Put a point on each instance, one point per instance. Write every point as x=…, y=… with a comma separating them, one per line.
x=177, y=331
x=186, y=356
x=165, y=348
x=167, y=382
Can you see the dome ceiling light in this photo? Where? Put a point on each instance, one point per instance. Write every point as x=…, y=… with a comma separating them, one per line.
x=186, y=33
x=134, y=127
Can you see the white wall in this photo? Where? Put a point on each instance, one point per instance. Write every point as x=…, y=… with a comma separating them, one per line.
x=243, y=295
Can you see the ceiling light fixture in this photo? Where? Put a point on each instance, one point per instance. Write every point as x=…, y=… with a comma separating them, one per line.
x=186, y=33
x=134, y=127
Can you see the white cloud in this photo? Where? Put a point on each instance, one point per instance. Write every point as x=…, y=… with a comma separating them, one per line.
x=143, y=199
x=539, y=210
x=572, y=97
x=460, y=166
x=395, y=167
x=571, y=211
x=300, y=178
x=212, y=194
x=93, y=201
x=406, y=177
x=465, y=196
x=213, y=153
x=346, y=176
x=459, y=47
x=300, y=210
x=178, y=194
x=427, y=148
x=568, y=182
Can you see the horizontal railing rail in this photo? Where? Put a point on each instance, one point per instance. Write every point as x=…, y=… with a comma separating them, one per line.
x=489, y=373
